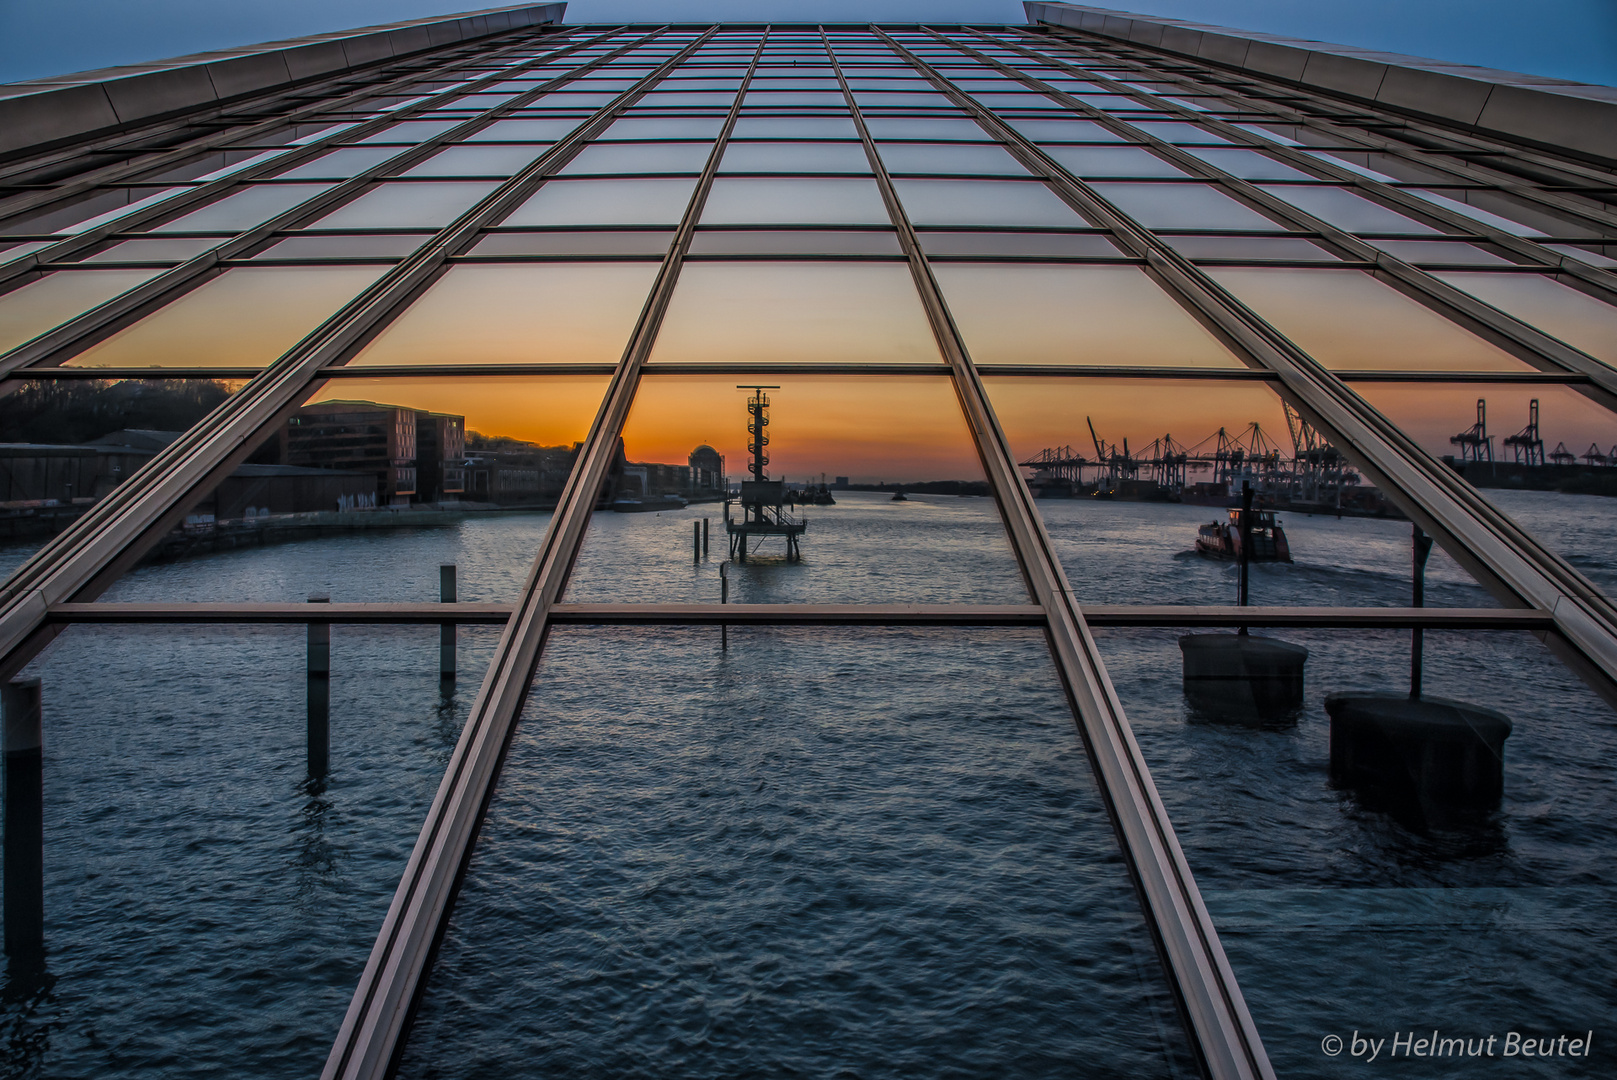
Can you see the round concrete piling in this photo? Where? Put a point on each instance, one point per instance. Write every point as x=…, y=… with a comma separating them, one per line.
x=1425, y=754
x=1241, y=678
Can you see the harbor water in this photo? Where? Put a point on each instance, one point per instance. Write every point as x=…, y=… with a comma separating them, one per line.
x=821, y=852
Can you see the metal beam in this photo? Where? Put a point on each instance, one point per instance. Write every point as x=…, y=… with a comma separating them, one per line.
x=1444, y=161
x=1505, y=558
x=63, y=341
x=1526, y=342
x=998, y=371
x=1133, y=616
x=115, y=533
x=372, y=1031
x=134, y=168
x=1223, y=1035
x=1597, y=220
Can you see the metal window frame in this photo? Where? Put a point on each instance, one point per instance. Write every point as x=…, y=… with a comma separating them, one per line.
x=51, y=589
x=1507, y=560
x=1595, y=217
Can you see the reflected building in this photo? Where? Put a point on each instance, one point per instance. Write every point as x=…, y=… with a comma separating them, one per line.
x=952, y=243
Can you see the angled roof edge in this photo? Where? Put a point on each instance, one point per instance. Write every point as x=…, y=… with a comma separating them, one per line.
x=43, y=112
x=1580, y=118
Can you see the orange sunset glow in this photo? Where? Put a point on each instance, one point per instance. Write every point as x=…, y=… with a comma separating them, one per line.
x=1040, y=413
x=242, y=318
x=868, y=429
x=551, y=411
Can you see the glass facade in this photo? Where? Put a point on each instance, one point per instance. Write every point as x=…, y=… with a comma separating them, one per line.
x=869, y=738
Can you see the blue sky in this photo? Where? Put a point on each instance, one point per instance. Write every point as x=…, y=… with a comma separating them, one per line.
x=1574, y=39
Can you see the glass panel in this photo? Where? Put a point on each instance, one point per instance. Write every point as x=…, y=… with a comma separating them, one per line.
x=241, y=211
x=42, y=305
x=528, y=131
x=764, y=313
x=1249, y=247
x=1044, y=131
x=567, y=313
x=398, y=206
x=1177, y=133
x=1016, y=314
x=243, y=318
x=794, y=242
x=823, y=157
x=606, y=202
x=984, y=202
x=373, y=484
x=1418, y=922
x=1183, y=206
x=1576, y=318
x=694, y=127
x=1134, y=479
x=1346, y=210
x=642, y=157
x=926, y=129
x=1248, y=164
x=341, y=164
x=1111, y=161
x=1028, y=244
x=1439, y=251
x=795, y=127
x=1553, y=453
x=807, y=202
x=343, y=247
x=413, y=131
x=922, y=158
x=1348, y=319
x=876, y=100
x=820, y=430
x=68, y=444
x=1455, y=202
x=176, y=251
x=478, y=161
x=927, y=893
x=764, y=99
x=568, y=242
x=284, y=882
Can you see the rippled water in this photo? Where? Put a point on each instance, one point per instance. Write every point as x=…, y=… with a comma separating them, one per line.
x=867, y=853
x=819, y=854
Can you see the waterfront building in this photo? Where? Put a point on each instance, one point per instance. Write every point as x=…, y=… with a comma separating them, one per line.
x=930, y=800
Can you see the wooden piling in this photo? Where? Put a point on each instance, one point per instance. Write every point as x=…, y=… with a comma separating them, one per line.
x=446, y=631
x=319, y=677
x=704, y=538
x=696, y=541
x=25, y=821
x=1421, y=549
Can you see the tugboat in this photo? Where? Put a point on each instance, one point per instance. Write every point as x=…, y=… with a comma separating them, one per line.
x=1222, y=540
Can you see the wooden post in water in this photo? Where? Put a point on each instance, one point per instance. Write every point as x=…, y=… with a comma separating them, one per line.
x=696, y=541
x=1246, y=544
x=724, y=598
x=704, y=538
x=446, y=631
x=319, y=674
x=25, y=821
x=1422, y=549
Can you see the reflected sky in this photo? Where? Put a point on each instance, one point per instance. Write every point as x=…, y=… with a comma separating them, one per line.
x=550, y=411
x=866, y=428
x=242, y=318
x=796, y=312
x=569, y=313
